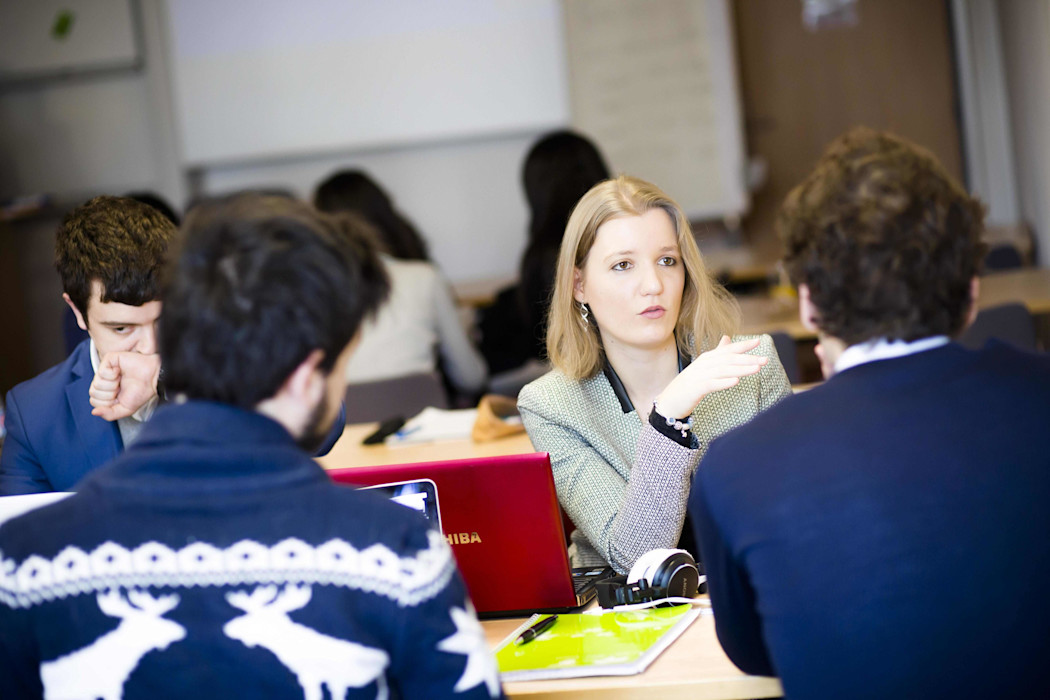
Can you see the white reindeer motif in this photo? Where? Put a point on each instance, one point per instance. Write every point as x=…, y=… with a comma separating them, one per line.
x=100, y=669
x=315, y=659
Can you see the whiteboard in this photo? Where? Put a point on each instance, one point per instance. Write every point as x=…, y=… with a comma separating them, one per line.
x=272, y=78
x=655, y=84
x=99, y=35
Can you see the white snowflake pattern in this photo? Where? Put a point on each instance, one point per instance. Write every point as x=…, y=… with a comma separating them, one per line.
x=469, y=640
x=409, y=580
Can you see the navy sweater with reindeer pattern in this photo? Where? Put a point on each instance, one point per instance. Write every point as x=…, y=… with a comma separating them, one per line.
x=214, y=558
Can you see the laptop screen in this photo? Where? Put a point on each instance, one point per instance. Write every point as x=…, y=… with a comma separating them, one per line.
x=418, y=494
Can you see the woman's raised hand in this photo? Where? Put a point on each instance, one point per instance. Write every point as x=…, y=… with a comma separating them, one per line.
x=717, y=369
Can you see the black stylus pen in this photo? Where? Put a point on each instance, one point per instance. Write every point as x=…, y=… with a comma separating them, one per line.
x=536, y=630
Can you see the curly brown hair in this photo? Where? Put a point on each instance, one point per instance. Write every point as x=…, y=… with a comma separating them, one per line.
x=886, y=241
x=118, y=241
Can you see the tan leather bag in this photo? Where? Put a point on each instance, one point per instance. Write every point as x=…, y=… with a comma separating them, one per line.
x=498, y=417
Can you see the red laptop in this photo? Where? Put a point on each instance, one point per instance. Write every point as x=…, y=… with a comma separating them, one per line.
x=501, y=517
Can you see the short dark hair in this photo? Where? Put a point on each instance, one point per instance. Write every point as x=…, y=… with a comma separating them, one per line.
x=258, y=283
x=118, y=241
x=884, y=238
x=157, y=202
x=355, y=191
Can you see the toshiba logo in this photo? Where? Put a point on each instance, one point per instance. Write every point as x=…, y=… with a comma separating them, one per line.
x=463, y=538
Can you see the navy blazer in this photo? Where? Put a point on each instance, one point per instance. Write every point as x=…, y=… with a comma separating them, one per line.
x=885, y=535
x=52, y=438
x=53, y=441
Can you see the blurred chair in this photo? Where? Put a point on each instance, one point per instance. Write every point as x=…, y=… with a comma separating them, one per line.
x=786, y=348
x=1003, y=257
x=511, y=381
x=1010, y=246
x=1011, y=323
x=402, y=396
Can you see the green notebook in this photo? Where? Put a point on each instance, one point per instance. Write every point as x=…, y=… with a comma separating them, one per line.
x=610, y=644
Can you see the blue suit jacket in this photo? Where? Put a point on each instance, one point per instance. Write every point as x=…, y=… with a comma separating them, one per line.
x=52, y=438
x=887, y=534
x=53, y=441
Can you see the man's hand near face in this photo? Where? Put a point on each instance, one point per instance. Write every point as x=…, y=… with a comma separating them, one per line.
x=124, y=383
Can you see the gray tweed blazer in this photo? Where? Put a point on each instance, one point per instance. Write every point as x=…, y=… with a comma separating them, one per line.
x=625, y=485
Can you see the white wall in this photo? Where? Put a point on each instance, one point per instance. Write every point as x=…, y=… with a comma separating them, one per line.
x=1026, y=51
x=448, y=190
x=77, y=137
x=92, y=134
x=289, y=79
x=115, y=133
x=111, y=134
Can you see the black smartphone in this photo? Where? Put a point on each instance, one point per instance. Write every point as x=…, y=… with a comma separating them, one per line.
x=386, y=428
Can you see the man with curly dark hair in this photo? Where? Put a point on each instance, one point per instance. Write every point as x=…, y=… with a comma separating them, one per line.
x=882, y=243
x=109, y=253
x=885, y=534
x=80, y=414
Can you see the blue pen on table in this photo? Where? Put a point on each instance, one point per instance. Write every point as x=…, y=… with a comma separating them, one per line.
x=405, y=432
x=536, y=630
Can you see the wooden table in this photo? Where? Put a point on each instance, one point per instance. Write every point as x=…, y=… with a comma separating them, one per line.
x=1029, y=286
x=349, y=452
x=479, y=293
x=693, y=667
x=761, y=314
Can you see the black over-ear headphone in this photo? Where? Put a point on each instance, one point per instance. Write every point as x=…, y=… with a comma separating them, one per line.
x=659, y=573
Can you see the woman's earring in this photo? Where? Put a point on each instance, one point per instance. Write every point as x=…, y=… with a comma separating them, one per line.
x=585, y=313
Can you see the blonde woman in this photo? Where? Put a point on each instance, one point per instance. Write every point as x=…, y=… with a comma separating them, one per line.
x=645, y=373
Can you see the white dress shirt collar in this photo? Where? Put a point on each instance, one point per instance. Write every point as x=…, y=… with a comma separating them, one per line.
x=882, y=349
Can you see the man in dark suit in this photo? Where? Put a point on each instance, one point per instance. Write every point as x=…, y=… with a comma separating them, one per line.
x=886, y=534
x=82, y=413
x=108, y=253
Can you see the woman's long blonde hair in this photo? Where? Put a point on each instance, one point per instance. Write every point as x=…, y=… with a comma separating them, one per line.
x=707, y=311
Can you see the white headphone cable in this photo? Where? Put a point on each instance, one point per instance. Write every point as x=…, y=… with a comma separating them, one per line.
x=702, y=602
